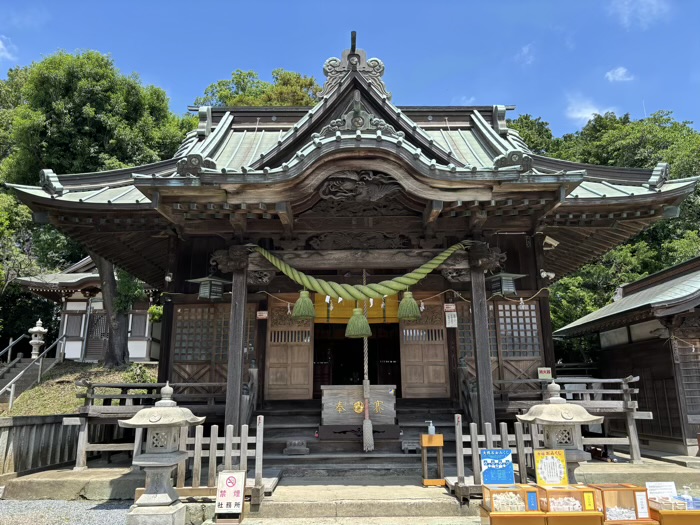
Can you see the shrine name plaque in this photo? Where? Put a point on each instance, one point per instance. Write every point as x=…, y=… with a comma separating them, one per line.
x=345, y=404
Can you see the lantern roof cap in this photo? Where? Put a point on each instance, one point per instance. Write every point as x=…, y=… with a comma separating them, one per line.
x=165, y=413
x=556, y=411
x=209, y=278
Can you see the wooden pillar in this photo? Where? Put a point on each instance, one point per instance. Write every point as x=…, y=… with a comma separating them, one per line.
x=167, y=321
x=482, y=354
x=550, y=359
x=236, y=337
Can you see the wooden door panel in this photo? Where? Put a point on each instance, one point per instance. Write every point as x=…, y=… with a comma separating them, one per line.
x=424, y=363
x=289, y=363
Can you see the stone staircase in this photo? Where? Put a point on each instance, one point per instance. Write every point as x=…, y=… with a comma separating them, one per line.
x=287, y=421
x=8, y=373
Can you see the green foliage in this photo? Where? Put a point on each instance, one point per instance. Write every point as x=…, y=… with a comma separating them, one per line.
x=155, y=313
x=129, y=290
x=620, y=141
x=245, y=88
x=81, y=103
x=140, y=373
x=535, y=132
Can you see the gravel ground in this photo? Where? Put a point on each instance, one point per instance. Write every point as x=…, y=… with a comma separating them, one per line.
x=55, y=512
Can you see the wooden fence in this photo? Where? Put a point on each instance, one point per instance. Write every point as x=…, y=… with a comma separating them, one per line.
x=33, y=443
x=225, y=451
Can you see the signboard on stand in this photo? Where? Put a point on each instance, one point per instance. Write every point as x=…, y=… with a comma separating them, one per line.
x=550, y=467
x=230, y=492
x=497, y=467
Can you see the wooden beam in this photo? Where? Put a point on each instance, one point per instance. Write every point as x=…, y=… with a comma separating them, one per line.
x=432, y=211
x=164, y=211
x=284, y=212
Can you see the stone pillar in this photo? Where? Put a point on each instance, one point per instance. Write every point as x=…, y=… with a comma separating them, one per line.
x=238, y=265
x=481, y=259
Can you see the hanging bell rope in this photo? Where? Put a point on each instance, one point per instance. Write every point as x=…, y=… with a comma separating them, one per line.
x=367, y=430
x=358, y=292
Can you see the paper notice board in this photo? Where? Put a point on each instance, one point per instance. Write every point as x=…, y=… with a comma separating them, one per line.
x=550, y=467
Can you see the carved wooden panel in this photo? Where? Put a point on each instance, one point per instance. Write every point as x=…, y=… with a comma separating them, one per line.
x=424, y=363
x=289, y=356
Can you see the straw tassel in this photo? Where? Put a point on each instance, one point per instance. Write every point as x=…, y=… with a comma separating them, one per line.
x=304, y=307
x=408, y=308
x=357, y=325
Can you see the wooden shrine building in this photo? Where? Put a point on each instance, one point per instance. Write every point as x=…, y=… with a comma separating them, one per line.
x=355, y=183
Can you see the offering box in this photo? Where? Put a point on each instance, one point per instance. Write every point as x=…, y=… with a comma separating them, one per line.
x=512, y=518
x=511, y=498
x=623, y=504
x=676, y=517
x=570, y=505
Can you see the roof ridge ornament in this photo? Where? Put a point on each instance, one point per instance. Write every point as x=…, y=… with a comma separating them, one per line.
x=353, y=59
x=193, y=165
x=513, y=157
x=48, y=180
x=660, y=175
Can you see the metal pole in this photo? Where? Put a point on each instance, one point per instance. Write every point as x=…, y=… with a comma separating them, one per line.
x=12, y=395
x=9, y=350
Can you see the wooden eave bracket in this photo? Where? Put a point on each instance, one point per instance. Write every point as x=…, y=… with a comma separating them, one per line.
x=286, y=216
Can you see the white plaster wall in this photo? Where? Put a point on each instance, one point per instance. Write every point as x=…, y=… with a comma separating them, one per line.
x=138, y=351
x=74, y=349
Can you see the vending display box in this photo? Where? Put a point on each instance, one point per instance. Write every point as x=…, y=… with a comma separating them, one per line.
x=623, y=504
x=569, y=505
x=515, y=504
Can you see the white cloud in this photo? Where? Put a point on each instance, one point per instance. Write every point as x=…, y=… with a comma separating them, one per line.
x=464, y=100
x=526, y=55
x=581, y=109
x=619, y=74
x=642, y=13
x=6, y=49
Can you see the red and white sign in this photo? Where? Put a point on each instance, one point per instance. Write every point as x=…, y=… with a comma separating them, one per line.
x=450, y=307
x=261, y=314
x=230, y=492
x=544, y=372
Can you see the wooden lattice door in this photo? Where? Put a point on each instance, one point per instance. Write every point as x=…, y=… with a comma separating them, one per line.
x=290, y=356
x=97, y=335
x=424, y=363
x=200, y=336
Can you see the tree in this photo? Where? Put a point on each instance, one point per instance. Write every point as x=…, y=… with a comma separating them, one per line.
x=246, y=89
x=619, y=141
x=535, y=132
x=76, y=113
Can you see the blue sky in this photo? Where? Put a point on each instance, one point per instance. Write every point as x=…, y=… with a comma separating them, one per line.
x=560, y=60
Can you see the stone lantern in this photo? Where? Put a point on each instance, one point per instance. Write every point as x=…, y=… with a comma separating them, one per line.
x=37, y=332
x=561, y=424
x=163, y=423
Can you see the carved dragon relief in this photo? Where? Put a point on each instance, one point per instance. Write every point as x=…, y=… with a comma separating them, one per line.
x=360, y=186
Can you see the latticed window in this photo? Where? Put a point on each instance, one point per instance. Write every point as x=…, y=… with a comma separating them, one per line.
x=202, y=332
x=518, y=330
x=465, y=334
x=513, y=329
x=196, y=333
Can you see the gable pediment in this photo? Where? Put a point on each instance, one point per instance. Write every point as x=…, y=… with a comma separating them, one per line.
x=354, y=105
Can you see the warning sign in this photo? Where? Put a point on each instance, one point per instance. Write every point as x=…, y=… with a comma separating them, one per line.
x=230, y=492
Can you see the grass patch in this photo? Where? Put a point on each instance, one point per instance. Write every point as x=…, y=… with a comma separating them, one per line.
x=57, y=393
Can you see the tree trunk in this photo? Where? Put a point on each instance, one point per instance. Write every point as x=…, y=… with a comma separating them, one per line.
x=117, y=349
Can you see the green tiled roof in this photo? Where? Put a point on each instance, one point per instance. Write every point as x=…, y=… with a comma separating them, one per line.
x=674, y=291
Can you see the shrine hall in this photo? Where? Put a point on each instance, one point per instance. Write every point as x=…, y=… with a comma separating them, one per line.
x=400, y=253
